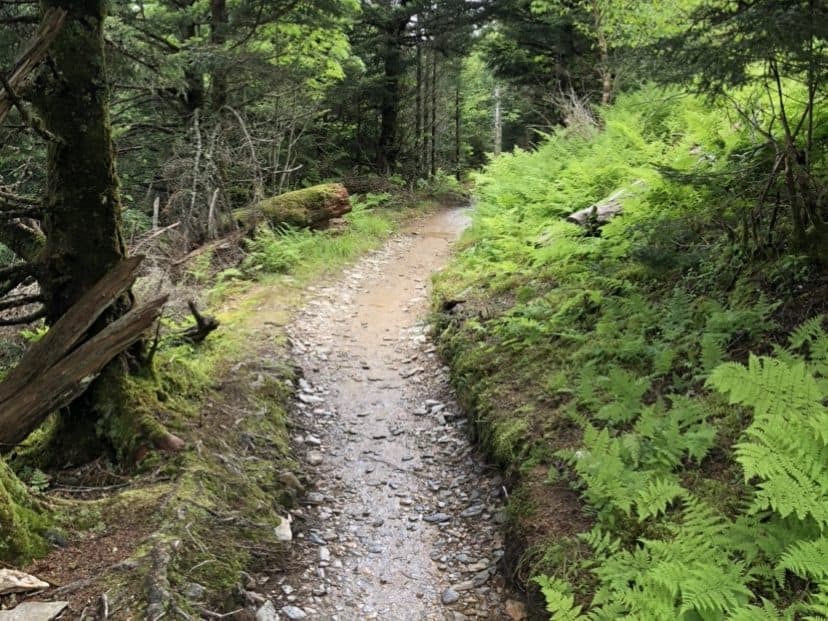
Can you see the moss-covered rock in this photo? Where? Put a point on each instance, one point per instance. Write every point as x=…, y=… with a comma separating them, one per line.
x=309, y=207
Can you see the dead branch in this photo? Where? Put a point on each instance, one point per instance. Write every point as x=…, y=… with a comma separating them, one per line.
x=204, y=325
x=19, y=300
x=24, y=319
x=69, y=378
x=36, y=50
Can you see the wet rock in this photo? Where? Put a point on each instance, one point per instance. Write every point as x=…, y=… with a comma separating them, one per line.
x=449, y=597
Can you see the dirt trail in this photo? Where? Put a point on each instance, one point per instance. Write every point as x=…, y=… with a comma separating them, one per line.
x=403, y=521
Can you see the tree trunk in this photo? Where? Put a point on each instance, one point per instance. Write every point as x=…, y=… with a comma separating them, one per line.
x=218, y=21
x=458, y=126
x=82, y=206
x=418, y=113
x=434, y=114
x=387, y=147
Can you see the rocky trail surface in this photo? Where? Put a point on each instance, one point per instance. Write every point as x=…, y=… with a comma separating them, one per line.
x=403, y=519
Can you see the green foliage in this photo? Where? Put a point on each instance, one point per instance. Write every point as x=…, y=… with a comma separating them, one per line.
x=703, y=509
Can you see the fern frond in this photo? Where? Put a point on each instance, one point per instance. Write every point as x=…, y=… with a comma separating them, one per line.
x=559, y=600
x=807, y=332
x=806, y=559
x=711, y=588
x=656, y=496
x=767, y=612
x=817, y=607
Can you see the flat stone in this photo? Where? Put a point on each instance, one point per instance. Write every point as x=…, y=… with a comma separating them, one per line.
x=34, y=611
x=434, y=518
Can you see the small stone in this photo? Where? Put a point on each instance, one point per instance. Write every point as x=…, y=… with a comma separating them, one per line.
x=267, y=612
x=282, y=531
x=316, y=538
x=473, y=511
x=309, y=399
x=314, y=458
x=324, y=554
x=450, y=596
x=466, y=585
x=315, y=498
x=435, y=518
x=294, y=612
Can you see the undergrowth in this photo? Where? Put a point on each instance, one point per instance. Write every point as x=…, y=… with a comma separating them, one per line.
x=617, y=355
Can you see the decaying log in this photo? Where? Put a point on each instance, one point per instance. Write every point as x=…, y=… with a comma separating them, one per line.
x=58, y=368
x=602, y=212
x=30, y=58
x=204, y=325
x=309, y=207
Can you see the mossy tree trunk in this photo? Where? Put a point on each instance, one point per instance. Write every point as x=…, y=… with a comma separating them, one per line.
x=82, y=205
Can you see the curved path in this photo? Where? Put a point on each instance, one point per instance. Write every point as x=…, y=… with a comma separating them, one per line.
x=403, y=522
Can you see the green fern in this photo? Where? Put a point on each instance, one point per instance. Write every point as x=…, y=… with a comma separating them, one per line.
x=654, y=499
x=787, y=442
x=559, y=601
x=807, y=559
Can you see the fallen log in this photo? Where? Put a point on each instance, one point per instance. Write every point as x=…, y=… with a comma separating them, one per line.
x=310, y=207
x=59, y=368
x=602, y=212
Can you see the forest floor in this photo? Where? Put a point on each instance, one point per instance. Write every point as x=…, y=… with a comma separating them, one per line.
x=397, y=516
